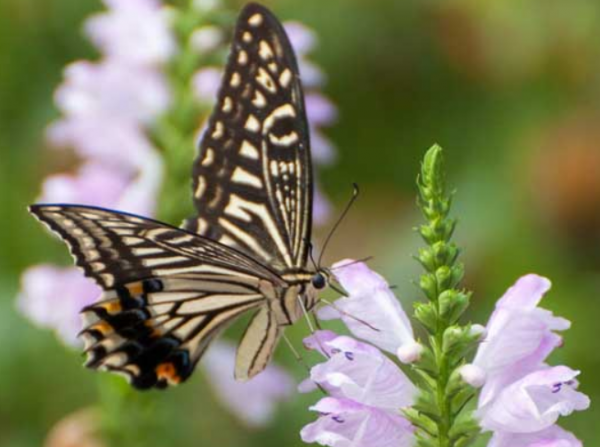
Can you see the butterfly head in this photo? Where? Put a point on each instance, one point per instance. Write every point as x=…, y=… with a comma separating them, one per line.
x=320, y=279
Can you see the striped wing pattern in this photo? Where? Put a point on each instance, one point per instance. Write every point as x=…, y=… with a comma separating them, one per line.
x=252, y=181
x=167, y=292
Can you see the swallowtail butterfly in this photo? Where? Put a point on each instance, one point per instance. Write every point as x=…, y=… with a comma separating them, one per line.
x=167, y=291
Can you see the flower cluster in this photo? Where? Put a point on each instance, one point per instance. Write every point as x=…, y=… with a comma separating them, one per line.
x=371, y=401
x=107, y=108
x=367, y=391
x=521, y=398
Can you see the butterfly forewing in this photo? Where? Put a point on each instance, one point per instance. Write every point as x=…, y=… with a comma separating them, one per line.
x=167, y=292
x=252, y=181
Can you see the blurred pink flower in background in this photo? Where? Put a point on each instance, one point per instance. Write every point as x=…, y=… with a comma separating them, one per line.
x=523, y=397
x=206, y=83
x=253, y=402
x=51, y=297
x=107, y=108
x=133, y=31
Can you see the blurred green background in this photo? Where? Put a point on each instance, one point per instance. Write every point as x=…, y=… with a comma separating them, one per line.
x=510, y=89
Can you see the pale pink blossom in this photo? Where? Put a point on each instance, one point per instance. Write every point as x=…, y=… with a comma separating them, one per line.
x=253, y=402
x=92, y=184
x=321, y=206
x=535, y=402
x=523, y=397
x=519, y=335
x=207, y=39
x=367, y=392
x=550, y=437
x=345, y=423
x=371, y=310
x=109, y=89
x=52, y=297
x=206, y=84
x=304, y=40
x=119, y=144
x=133, y=31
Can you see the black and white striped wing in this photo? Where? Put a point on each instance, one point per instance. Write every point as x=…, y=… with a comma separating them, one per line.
x=167, y=292
x=252, y=180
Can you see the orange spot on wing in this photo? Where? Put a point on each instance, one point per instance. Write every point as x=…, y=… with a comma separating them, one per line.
x=168, y=372
x=136, y=288
x=112, y=307
x=103, y=327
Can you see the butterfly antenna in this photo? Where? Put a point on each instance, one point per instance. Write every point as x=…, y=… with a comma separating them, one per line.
x=343, y=312
x=357, y=261
x=355, y=193
x=311, y=256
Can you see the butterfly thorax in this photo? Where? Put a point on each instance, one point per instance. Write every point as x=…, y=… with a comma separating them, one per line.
x=290, y=302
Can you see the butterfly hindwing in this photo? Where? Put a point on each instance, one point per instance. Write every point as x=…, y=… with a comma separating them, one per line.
x=252, y=181
x=167, y=292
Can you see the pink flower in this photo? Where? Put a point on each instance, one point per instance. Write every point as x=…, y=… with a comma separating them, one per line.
x=112, y=142
x=253, y=402
x=133, y=31
x=519, y=336
x=550, y=437
x=206, y=84
x=522, y=397
x=207, y=39
x=344, y=423
x=93, y=184
x=321, y=206
x=304, y=41
x=51, y=297
x=112, y=90
x=367, y=393
x=98, y=185
x=371, y=311
x=535, y=402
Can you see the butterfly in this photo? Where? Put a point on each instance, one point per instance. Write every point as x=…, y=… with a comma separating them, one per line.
x=168, y=291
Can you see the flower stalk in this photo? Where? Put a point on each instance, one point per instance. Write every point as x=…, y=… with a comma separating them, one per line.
x=438, y=413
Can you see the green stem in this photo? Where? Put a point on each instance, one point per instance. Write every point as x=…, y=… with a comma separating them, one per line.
x=440, y=405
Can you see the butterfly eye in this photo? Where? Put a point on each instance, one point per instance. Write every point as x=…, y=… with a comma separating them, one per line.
x=319, y=281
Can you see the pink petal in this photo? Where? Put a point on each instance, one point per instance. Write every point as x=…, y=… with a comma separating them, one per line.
x=303, y=39
x=52, y=297
x=344, y=423
x=321, y=207
x=360, y=372
x=371, y=300
x=133, y=31
x=553, y=436
x=113, y=90
x=535, y=402
x=518, y=330
x=206, y=84
x=93, y=184
x=119, y=144
x=253, y=402
x=320, y=110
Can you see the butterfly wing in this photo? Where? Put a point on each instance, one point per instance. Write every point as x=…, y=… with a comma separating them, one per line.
x=167, y=292
x=252, y=180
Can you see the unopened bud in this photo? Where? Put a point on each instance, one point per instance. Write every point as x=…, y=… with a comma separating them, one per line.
x=473, y=375
x=409, y=352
